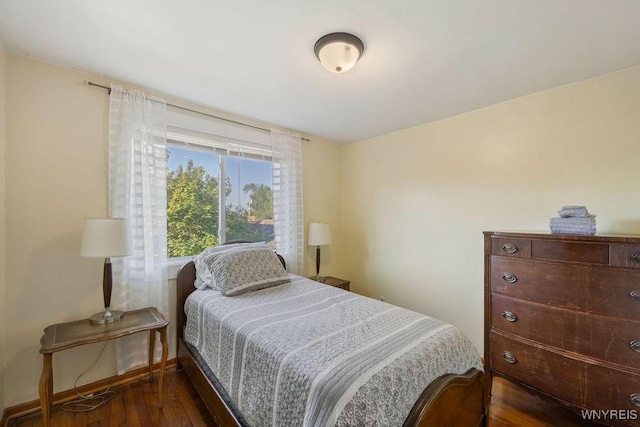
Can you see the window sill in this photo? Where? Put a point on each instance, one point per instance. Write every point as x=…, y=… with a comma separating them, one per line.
x=174, y=265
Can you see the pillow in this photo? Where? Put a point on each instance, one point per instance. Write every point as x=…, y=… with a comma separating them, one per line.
x=204, y=277
x=246, y=269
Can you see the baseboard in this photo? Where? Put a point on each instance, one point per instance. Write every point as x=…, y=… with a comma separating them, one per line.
x=28, y=408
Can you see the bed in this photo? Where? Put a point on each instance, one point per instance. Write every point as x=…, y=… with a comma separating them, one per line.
x=300, y=353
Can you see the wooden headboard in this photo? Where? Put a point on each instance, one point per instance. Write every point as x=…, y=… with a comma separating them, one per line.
x=185, y=284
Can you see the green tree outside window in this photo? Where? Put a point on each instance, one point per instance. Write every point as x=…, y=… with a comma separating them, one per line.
x=192, y=211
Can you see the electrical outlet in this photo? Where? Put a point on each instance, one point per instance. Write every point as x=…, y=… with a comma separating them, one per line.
x=382, y=298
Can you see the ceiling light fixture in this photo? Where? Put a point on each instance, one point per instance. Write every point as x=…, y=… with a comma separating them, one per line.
x=339, y=52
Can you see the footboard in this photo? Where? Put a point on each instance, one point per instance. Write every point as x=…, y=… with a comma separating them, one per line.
x=452, y=400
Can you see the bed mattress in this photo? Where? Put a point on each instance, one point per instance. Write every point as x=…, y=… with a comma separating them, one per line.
x=304, y=353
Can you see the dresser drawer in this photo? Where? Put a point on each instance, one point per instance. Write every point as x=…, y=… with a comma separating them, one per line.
x=520, y=248
x=543, y=370
x=616, y=388
x=594, y=253
x=606, y=338
x=586, y=385
x=606, y=291
x=625, y=256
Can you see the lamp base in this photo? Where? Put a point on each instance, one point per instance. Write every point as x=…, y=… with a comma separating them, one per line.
x=105, y=317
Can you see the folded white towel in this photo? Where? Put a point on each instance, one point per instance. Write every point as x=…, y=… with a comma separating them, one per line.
x=573, y=212
x=582, y=232
x=580, y=221
x=573, y=225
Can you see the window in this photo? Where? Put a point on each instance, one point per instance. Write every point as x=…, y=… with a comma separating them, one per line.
x=200, y=211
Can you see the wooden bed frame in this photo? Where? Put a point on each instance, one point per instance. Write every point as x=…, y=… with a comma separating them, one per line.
x=451, y=400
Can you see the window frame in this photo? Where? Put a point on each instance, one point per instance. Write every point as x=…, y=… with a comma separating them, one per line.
x=200, y=131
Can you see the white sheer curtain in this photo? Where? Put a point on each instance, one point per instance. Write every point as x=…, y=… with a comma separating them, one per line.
x=137, y=190
x=287, y=198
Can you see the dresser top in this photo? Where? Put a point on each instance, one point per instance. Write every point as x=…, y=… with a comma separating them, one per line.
x=600, y=238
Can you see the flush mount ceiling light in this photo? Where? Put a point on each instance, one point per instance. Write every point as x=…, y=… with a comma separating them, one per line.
x=338, y=52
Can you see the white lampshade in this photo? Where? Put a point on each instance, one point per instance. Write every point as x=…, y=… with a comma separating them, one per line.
x=339, y=52
x=106, y=237
x=319, y=234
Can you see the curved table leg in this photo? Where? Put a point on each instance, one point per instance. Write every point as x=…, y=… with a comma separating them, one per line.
x=163, y=361
x=152, y=348
x=46, y=387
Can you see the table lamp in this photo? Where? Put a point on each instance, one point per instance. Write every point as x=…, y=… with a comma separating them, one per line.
x=319, y=235
x=106, y=238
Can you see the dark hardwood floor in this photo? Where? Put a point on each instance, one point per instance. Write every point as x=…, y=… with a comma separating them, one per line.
x=513, y=406
x=136, y=405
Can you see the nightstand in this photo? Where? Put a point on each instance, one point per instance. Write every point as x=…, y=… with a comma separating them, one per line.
x=72, y=334
x=334, y=281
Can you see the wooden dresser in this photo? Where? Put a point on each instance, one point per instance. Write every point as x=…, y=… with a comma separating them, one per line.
x=562, y=319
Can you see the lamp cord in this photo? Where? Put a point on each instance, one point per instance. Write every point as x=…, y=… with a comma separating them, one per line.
x=96, y=400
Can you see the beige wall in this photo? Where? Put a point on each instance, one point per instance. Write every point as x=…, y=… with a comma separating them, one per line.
x=56, y=164
x=56, y=176
x=322, y=200
x=3, y=67
x=415, y=202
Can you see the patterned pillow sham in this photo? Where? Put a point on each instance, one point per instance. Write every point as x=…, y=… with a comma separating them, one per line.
x=204, y=278
x=246, y=269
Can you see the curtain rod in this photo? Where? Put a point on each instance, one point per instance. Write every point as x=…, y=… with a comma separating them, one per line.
x=87, y=82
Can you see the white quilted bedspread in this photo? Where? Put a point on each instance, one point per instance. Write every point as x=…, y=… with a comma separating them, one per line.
x=304, y=353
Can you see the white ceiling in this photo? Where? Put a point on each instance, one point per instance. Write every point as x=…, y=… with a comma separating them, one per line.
x=424, y=59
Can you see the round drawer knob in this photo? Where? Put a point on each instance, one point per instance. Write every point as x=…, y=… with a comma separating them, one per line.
x=512, y=248
x=510, y=358
x=633, y=295
x=512, y=278
x=636, y=257
x=635, y=345
x=635, y=399
x=509, y=316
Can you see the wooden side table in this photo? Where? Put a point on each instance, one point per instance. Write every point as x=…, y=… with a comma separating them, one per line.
x=72, y=334
x=334, y=281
